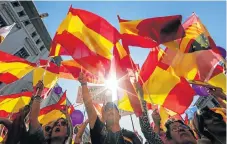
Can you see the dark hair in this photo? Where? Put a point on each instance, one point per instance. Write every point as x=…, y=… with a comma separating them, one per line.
x=17, y=132
x=68, y=131
x=168, y=131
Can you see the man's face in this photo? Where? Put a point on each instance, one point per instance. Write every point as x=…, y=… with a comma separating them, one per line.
x=60, y=128
x=180, y=134
x=111, y=116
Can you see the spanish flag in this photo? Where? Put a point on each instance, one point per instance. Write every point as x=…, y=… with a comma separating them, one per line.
x=71, y=67
x=13, y=103
x=49, y=74
x=88, y=38
x=218, y=78
x=52, y=112
x=129, y=101
x=4, y=31
x=152, y=31
x=161, y=87
x=13, y=68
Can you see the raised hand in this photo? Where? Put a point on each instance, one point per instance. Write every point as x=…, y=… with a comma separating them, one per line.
x=156, y=117
x=39, y=88
x=82, y=79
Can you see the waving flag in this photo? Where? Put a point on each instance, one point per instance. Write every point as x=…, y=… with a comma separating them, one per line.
x=163, y=88
x=152, y=31
x=13, y=103
x=129, y=100
x=13, y=68
x=52, y=112
x=4, y=31
x=49, y=74
x=72, y=68
x=88, y=38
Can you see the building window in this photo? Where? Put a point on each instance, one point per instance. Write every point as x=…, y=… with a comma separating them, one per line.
x=33, y=34
x=27, y=22
x=38, y=41
x=215, y=102
x=24, y=90
x=21, y=13
x=2, y=22
x=22, y=53
x=15, y=4
x=41, y=48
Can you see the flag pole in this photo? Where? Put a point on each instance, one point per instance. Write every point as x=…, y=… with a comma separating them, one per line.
x=132, y=123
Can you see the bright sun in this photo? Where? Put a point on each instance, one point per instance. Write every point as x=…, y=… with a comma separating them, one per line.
x=112, y=84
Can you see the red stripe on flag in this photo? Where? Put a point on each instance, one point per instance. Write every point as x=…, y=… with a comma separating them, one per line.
x=97, y=24
x=180, y=97
x=7, y=78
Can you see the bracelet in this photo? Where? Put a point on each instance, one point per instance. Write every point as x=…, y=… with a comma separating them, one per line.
x=82, y=84
x=38, y=98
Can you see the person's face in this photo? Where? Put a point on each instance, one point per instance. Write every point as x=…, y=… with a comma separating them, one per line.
x=111, y=116
x=59, y=128
x=180, y=134
x=47, y=129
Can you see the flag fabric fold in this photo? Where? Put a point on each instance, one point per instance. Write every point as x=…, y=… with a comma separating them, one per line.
x=13, y=103
x=163, y=88
x=52, y=112
x=13, y=68
x=152, y=31
x=88, y=38
x=4, y=31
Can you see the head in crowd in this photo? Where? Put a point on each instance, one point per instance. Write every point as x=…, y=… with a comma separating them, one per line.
x=60, y=131
x=111, y=114
x=179, y=133
x=18, y=129
x=47, y=129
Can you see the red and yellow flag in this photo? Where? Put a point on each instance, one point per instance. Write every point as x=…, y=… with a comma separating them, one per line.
x=129, y=100
x=161, y=87
x=152, y=31
x=48, y=73
x=13, y=68
x=71, y=69
x=13, y=103
x=88, y=38
x=52, y=112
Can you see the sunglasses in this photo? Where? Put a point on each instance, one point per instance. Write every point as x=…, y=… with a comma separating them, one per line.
x=63, y=123
x=47, y=128
x=175, y=129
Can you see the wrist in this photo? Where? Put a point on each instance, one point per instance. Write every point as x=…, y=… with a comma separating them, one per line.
x=83, y=83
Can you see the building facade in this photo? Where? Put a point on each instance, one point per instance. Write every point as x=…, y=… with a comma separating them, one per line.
x=29, y=39
x=209, y=101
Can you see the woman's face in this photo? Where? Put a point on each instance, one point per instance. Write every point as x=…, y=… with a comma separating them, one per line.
x=60, y=128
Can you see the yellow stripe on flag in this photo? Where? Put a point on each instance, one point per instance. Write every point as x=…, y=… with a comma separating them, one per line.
x=94, y=41
x=219, y=81
x=124, y=103
x=49, y=79
x=158, y=86
x=129, y=27
x=17, y=69
x=51, y=116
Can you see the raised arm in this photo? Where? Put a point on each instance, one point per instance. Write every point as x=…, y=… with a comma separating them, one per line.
x=147, y=130
x=92, y=115
x=80, y=132
x=68, y=118
x=35, y=108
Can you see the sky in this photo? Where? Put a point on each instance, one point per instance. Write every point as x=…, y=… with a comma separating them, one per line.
x=212, y=15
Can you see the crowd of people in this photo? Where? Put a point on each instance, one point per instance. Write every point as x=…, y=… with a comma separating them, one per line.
x=207, y=127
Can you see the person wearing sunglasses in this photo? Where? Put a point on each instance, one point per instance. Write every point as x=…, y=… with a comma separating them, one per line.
x=47, y=128
x=179, y=133
x=107, y=131
x=61, y=131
